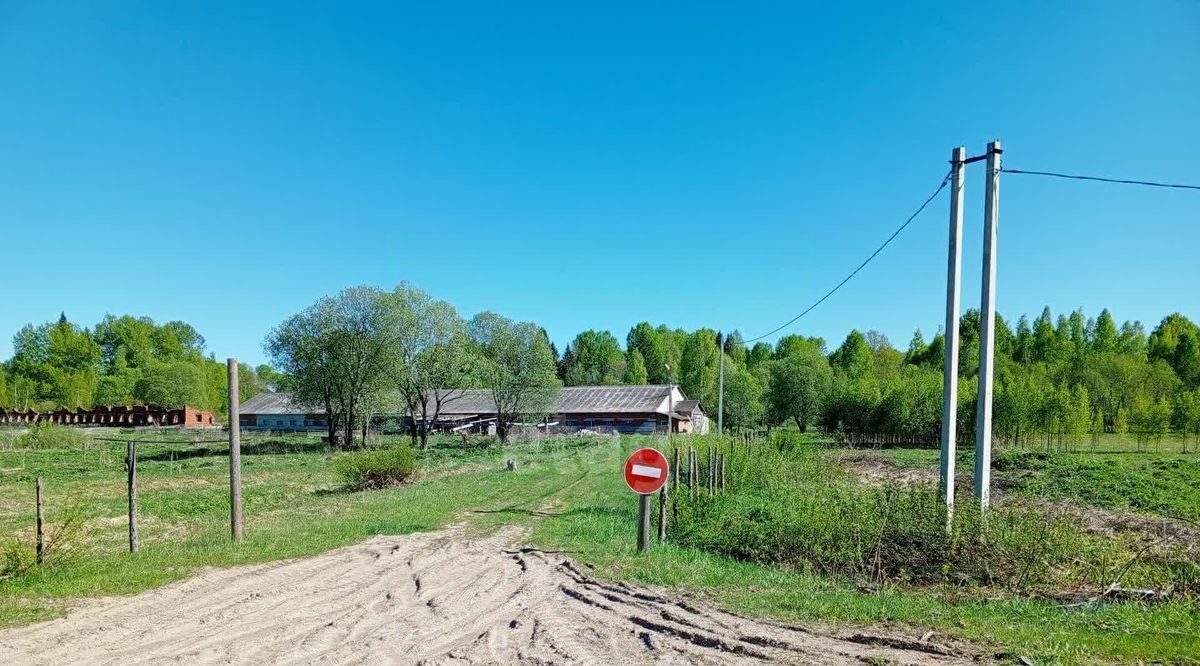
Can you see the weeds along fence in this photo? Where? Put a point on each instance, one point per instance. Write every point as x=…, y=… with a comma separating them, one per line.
x=700, y=466
x=779, y=500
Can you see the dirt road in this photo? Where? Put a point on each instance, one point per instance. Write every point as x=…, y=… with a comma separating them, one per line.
x=435, y=598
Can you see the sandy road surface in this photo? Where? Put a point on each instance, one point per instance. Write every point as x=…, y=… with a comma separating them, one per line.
x=435, y=598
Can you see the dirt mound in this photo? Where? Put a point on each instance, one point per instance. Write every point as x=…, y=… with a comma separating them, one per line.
x=878, y=469
x=437, y=597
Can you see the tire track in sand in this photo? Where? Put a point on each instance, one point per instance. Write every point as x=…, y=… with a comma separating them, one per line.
x=438, y=597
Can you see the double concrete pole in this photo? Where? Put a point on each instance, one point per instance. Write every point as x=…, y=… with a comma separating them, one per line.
x=987, y=329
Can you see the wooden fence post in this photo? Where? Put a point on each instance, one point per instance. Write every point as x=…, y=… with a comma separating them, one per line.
x=712, y=466
x=691, y=471
x=131, y=465
x=662, y=513
x=721, y=470
x=675, y=469
x=41, y=522
x=235, y=454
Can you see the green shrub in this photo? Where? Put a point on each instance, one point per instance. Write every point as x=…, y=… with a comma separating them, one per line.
x=377, y=468
x=50, y=436
x=64, y=539
x=16, y=558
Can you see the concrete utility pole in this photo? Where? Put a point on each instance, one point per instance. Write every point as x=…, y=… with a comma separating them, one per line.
x=235, y=454
x=721, y=385
x=987, y=325
x=950, y=372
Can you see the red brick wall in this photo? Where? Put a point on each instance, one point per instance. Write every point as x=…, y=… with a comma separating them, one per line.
x=196, y=418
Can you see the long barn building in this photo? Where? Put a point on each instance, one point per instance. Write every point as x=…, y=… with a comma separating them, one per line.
x=626, y=409
x=117, y=416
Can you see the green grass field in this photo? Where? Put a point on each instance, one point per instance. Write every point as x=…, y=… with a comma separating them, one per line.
x=568, y=492
x=1163, y=484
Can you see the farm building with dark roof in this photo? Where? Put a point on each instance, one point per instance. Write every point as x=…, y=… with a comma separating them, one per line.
x=627, y=409
x=278, y=411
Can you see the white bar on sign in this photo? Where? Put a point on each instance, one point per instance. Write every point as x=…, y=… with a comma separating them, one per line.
x=643, y=470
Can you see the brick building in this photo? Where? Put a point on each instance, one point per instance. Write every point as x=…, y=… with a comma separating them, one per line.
x=122, y=416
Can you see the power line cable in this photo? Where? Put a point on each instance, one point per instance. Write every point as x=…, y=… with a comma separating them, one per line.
x=1147, y=183
x=861, y=266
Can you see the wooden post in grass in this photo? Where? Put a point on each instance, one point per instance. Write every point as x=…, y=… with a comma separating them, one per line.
x=694, y=475
x=675, y=469
x=235, y=454
x=662, y=513
x=691, y=472
x=721, y=472
x=131, y=468
x=39, y=502
x=712, y=467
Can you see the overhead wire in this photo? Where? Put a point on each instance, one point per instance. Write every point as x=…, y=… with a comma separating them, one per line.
x=941, y=186
x=1102, y=179
x=925, y=204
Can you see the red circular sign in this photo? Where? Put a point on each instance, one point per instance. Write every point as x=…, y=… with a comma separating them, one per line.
x=646, y=471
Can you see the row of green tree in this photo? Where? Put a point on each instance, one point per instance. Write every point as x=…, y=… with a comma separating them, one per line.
x=1058, y=380
x=366, y=350
x=121, y=361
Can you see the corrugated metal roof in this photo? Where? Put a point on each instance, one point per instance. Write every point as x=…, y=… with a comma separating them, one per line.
x=577, y=400
x=467, y=401
x=573, y=400
x=687, y=406
x=583, y=399
x=270, y=402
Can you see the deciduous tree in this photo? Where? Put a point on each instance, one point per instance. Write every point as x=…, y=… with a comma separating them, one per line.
x=518, y=368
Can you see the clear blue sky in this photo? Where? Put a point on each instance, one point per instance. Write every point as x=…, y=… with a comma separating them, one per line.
x=699, y=165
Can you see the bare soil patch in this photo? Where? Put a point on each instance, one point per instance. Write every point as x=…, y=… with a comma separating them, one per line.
x=877, y=468
x=436, y=597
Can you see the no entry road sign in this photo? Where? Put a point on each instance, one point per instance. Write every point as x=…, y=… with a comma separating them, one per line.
x=646, y=471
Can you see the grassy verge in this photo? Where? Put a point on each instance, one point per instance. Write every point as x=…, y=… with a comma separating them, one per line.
x=569, y=493
x=599, y=528
x=1163, y=484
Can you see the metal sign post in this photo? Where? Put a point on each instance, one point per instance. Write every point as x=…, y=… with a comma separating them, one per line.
x=646, y=471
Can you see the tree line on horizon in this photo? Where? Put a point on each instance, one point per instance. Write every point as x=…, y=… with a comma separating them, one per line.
x=123, y=360
x=365, y=351
x=1057, y=380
